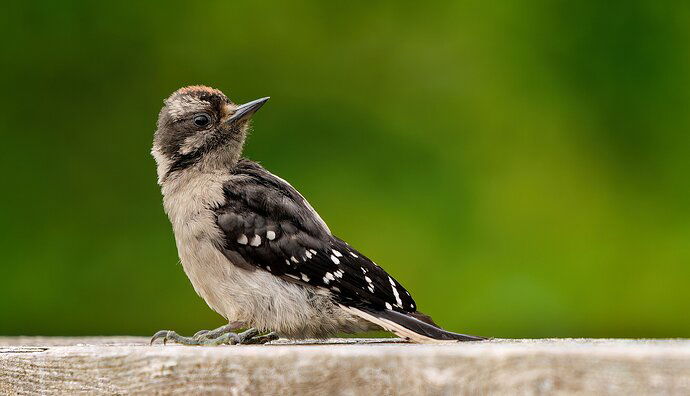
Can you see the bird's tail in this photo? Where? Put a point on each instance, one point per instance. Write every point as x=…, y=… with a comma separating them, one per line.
x=415, y=327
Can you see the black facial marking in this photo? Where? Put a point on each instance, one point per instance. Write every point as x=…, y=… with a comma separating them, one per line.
x=184, y=162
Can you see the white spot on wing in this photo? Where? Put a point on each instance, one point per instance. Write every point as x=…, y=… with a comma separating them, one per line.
x=312, y=251
x=270, y=235
x=268, y=267
x=353, y=255
x=256, y=241
x=335, y=259
x=337, y=253
x=304, y=277
x=395, y=292
x=242, y=240
x=388, y=306
x=329, y=276
x=294, y=260
x=308, y=253
x=368, y=279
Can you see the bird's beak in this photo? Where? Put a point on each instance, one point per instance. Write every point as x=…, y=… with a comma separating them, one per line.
x=245, y=111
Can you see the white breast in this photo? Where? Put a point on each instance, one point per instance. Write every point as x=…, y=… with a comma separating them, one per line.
x=187, y=199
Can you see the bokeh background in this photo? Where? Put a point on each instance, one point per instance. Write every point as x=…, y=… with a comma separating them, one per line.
x=521, y=167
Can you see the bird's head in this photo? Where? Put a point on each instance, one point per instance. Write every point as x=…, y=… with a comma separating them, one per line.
x=200, y=126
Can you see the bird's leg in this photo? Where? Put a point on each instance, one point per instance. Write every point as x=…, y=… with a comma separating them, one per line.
x=222, y=335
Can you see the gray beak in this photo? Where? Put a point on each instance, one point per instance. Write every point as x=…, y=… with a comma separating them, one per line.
x=245, y=111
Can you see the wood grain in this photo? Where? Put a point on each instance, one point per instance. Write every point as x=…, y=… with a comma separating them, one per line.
x=126, y=365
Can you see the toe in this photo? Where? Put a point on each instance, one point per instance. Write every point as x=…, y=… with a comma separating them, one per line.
x=247, y=335
x=263, y=339
x=164, y=334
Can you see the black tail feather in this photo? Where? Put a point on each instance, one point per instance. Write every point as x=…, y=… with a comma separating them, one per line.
x=419, y=327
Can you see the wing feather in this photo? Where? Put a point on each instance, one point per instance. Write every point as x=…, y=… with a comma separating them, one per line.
x=268, y=225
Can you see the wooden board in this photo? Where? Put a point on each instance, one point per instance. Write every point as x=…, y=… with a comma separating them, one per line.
x=121, y=365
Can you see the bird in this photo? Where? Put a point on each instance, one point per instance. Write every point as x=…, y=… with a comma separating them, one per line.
x=255, y=249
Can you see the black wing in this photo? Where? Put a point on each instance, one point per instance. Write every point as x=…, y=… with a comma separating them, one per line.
x=268, y=225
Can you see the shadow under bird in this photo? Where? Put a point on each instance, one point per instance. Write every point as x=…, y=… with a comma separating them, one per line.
x=254, y=249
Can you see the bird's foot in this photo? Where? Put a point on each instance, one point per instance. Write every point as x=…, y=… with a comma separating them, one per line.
x=223, y=335
x=215, y=333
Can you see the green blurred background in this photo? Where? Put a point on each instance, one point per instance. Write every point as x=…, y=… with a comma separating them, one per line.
x=521, y=167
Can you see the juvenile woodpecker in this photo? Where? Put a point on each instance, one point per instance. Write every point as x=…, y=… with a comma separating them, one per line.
x=254, y=249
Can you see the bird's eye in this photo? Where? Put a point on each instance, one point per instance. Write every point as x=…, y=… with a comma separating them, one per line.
x=201, y=120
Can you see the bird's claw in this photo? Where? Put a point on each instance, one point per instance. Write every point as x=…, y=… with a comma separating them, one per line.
x=164, y=334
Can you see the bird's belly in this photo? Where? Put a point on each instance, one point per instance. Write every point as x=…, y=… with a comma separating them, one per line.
x=259, y=298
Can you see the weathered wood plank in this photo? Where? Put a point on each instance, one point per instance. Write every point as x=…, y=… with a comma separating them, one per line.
x=119, y=365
